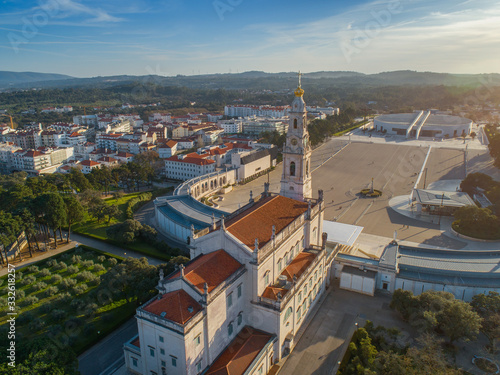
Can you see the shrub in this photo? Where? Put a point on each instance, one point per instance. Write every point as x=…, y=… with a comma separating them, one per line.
x=101, y=258
x=85, y=276
x=89, y=329
x=32, y=269
x=90, y=309
x=95, y=281
x=75, y=259
x=51, y=291
x=55, y=329
x=98, y=268
x=38, y=286
x=77, y=304
x=108, y=318
x=67, y=283
x=58, y=314
x=19, y=294
x=64, y=297
x=28, y=280
x=45, y=272
x=30, y=300
x=26, y=317
x=19, y=275
x=56, y=278
x=80, y=288
x=112, y=261
x=73, y=269
x=61, y=266
x=51, y=263
x=87, y=263
x=46, y=308
x=36, y=324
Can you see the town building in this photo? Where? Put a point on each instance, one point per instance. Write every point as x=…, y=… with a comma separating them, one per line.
x=7, y=150
x=231, y=126
x=167, y=149
x=89, y=165
x=255, y=110
x=258, y=125
x=184, y=167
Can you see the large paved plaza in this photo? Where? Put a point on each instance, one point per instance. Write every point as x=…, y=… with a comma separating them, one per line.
x=394, y=168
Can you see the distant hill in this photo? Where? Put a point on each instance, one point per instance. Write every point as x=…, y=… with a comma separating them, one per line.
x=252, y=80
x=13, y=79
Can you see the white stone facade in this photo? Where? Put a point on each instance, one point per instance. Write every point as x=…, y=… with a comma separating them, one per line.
x=296, y=177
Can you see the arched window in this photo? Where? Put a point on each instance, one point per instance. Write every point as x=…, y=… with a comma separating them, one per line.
x=295, y=123
x=307, y=168
x=292, y=168
x=287, y=314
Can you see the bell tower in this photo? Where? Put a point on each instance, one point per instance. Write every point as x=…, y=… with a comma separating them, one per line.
x=296, y=176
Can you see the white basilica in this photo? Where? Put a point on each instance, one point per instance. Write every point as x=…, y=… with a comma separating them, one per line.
x=238, y=305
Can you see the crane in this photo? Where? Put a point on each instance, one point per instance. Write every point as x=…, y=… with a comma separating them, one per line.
x=11, y=122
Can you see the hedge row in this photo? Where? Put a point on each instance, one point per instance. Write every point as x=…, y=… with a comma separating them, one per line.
x=134, y=204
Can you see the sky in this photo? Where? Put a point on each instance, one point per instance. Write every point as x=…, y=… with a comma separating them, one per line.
x=87, y=38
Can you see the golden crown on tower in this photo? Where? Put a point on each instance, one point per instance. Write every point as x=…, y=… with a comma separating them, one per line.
x=298, y=91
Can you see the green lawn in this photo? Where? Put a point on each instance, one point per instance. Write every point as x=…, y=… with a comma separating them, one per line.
x=61, y=298
x=90, y=227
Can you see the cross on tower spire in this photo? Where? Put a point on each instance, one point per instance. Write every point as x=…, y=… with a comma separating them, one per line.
x=300, y=76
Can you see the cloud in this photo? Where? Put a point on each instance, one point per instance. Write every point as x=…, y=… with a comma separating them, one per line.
x=52, y=10
x=73, y=8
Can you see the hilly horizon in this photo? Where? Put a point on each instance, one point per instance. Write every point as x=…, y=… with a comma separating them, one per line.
x=252, y=80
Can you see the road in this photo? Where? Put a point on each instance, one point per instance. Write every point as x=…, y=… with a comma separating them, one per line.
x=107, y=353
x=115, y=250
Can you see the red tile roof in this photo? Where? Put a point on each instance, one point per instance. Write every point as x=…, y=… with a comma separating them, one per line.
x=297, y=268
x=240, y=353
x=169, y=143
x=107, y=159
x=89, y=163
x=124, y=155
x=136, y=342
x=212, y=268
x=32, y=153
x=258, y=220
x=191, y=159
x=178, y=306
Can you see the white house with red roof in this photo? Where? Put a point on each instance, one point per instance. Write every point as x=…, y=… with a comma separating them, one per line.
x=89, y=165
x=167, y=149
x=108, y=161
x=124, y=157
x=239, y=305
x=185, y=167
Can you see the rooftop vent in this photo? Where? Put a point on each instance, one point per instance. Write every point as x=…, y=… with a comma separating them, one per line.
x=163, y=313
x=190, y=309
x=282, y=280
